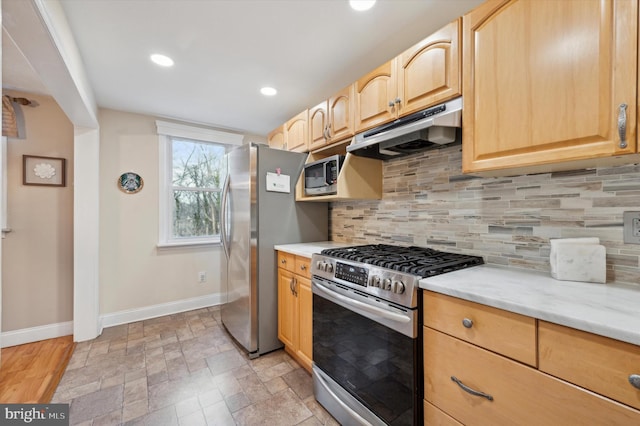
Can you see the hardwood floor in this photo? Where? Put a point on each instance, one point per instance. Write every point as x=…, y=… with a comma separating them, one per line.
x=30, y=373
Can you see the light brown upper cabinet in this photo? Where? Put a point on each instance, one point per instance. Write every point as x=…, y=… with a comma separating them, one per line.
x=429, y=72
x=376, y=93
x=425, y=74
x=332, y=120
x=546, y=84
x=296, y=133
x=318, y=126
x=276, y=138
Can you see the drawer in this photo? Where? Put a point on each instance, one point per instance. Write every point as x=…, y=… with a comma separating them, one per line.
x=598, y=363
x=433, y=416
x=303, y=266
x=286, y=261
x=521, y=395
x=506, y=333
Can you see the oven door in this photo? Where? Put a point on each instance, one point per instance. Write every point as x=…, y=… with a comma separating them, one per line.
x=365, y=371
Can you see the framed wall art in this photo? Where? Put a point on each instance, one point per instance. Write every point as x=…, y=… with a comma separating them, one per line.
x=43, y=171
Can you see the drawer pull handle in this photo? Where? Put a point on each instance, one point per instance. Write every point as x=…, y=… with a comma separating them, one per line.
x=303, y=267
x=467, y=323
x=283, y=261
x=622, y=125
x=471, y=391
x=634, y=379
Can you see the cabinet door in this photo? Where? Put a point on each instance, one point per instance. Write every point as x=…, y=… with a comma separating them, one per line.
x=341, y=114
x=296, y=134
x=305, y=312
x=276, y=138
x=544, y=82
x=520, y=395
x=429, y=72
x=376, y=95
x=595, y=362
x=287, y=309
x=318, y=126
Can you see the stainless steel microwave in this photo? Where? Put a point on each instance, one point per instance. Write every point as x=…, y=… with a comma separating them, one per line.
x=321, y=177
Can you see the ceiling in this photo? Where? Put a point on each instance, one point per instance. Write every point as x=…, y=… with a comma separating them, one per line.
x=226, y=50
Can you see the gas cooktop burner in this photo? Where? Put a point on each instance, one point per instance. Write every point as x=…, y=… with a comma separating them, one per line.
x=414, y=260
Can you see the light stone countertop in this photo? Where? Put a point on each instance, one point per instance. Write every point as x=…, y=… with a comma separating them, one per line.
x=307, y=249
x=610, y=310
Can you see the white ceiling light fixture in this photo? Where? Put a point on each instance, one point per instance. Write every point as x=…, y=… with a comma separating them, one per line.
x=361, y=5
x=268, y=91
x=162, y=60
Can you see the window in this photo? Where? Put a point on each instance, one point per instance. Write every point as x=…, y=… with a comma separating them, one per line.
x=192, y=172
x=198, y=172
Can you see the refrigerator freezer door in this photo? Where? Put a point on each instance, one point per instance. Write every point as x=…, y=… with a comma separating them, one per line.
x=239, y=313
x=254, y=221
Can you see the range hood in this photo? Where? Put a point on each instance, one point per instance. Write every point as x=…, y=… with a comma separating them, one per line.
x=427, y=129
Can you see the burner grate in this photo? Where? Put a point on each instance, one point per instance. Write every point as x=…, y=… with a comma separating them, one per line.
x=421, y=261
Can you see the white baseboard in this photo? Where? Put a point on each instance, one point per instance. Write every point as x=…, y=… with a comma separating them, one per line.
x=50, y=331
x=153, y=311
x=34, y=334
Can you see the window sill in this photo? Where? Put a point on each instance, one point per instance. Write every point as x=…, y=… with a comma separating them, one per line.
x=187, y=244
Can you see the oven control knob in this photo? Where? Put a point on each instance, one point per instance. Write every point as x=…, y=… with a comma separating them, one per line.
x=397, y=287
x=386, y=284
x=329, y=267
x=376, y=281
x=319, y=265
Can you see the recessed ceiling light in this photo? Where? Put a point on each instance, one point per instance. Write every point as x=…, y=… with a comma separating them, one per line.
x=361, y=5
x=268, y=91
x=162, y=60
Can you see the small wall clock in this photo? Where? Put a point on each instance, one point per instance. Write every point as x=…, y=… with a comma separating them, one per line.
x=130, y=182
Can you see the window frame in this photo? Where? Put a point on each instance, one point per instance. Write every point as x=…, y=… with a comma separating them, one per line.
x=168, y=131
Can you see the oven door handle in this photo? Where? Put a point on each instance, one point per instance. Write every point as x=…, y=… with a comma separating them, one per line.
x=361, y=420
x=360, y=305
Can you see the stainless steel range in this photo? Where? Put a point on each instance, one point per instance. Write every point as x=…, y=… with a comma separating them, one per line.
x=367, y=349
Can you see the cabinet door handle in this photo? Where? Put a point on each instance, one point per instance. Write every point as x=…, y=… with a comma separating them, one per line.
x=634, y=379
x=391, y=104
x=291, y=286
x=471, y=391
x=622, y=125
x=397, y=100
x=468, y=323
x=295, y=287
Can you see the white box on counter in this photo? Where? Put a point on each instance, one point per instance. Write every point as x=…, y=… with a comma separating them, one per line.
x=578, y=259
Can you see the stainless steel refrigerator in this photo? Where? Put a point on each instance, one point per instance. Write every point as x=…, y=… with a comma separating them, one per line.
x=259, y=211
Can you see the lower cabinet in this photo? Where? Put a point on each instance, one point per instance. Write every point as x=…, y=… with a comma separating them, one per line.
x=295, y=311
x=466, y=383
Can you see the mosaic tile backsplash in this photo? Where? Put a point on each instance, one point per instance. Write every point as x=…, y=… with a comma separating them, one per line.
x=428, y=202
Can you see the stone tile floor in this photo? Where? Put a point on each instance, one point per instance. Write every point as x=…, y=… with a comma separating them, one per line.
x=184, y=369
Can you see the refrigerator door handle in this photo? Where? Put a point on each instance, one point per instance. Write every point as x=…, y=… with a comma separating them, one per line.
x=223, y=217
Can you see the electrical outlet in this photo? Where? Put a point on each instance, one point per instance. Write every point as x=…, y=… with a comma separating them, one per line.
x=631, y=229
x=202, y=277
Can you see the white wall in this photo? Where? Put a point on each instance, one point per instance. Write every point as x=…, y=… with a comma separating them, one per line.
x=134, y=274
